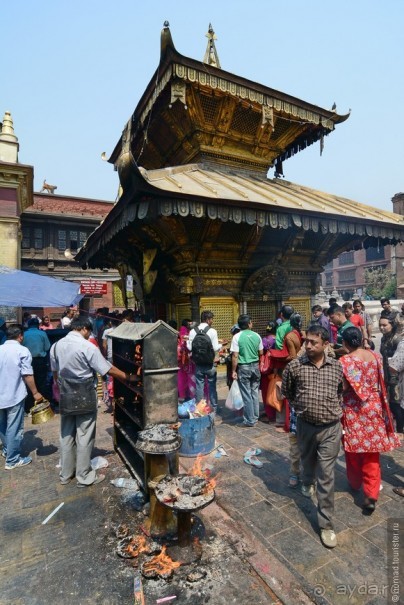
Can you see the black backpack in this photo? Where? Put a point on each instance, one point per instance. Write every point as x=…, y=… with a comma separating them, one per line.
x=202, y=348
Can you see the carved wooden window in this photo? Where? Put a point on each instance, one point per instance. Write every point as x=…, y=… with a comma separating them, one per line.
x=347, y=277
x=32, y=237
x=209, y=107
x=182, y=311
x=261, y=313
x=246, y=121
x=82, y=238
x=328, y=279
x=346, y=258
x=375, y=254
x=26, y=238
x=74, y=240
x=62, y=240
x=302, y=306
x=225, y=312
x=38, y=238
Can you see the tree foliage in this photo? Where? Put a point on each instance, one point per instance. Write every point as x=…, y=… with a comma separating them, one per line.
x=380, y=282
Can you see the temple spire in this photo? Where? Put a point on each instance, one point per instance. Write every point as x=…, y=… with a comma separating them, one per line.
x=8, y=140
x=211, y=57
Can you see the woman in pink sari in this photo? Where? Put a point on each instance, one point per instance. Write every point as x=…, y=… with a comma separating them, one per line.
x=186, y=381
x=367, y=423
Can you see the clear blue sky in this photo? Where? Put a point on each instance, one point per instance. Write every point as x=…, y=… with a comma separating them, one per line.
x=73, y=71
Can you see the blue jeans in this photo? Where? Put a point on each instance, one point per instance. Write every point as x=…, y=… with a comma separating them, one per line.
x=12, y=431
x=249, y=377
x=211, y=374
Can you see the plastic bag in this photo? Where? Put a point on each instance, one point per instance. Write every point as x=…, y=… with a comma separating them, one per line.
x=125, y=483
x=99, y=462
x=234, y=400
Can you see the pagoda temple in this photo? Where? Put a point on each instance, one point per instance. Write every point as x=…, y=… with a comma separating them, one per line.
x=198, y=225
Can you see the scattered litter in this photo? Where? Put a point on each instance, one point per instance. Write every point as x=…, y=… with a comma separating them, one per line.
x=186, y=407
x=134, y=499
x=196, y=575
x=191, y=409
x=126, y=483
x=221, y=452
x=138, y=589
x=253, y=451
x=59, y=464
x=52, y=513
x=122, y=531
x=253, y=461
x=166, y=599
x=381, y=487
x=99, y=462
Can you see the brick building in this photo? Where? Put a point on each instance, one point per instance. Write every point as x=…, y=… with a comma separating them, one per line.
x=41, y=233
x=52, y=231
x=346, y=273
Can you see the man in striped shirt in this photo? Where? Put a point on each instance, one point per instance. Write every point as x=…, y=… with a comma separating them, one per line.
x=313, y=385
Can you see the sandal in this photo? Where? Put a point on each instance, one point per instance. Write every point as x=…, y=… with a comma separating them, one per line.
x=253, y=451
x=399, y=491
x=293, y=481
x=253, y=461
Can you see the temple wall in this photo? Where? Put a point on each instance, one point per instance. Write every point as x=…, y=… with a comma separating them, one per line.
x=9, y=243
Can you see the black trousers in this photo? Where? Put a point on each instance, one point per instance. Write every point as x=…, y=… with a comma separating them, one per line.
x=398, y=414
x=40, y=367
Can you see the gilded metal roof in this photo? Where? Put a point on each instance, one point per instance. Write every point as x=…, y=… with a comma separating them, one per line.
x=246, y=188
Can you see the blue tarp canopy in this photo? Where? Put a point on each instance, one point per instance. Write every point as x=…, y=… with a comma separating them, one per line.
x=23, y=289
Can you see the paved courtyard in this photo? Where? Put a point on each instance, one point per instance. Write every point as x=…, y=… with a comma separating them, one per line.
x=260, y=542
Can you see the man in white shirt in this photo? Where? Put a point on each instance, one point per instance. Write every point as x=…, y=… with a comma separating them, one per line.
x=204, y=365
x=73, y=357
x=16, y=374
x=67, y=319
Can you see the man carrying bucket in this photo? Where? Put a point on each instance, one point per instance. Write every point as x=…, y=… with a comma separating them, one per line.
x=16, y=374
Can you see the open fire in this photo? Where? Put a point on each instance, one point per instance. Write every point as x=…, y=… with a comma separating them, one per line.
x=159, y=566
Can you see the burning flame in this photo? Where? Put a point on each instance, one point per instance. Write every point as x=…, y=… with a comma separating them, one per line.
x=162, y=564
x=136, y=546
x=198, y=471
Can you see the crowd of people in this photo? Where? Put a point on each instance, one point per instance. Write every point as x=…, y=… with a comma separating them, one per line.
x=323, y=386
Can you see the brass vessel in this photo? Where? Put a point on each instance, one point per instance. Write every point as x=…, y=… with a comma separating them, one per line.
x=41, y=412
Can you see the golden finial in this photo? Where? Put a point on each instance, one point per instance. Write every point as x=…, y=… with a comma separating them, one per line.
x=211, y=57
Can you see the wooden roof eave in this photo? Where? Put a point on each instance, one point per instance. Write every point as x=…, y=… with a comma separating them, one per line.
x=170, y=55
x=273, y=216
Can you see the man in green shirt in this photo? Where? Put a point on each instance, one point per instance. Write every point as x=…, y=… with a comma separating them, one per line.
x=337, y=317
x=285, y=327
x=246, y=348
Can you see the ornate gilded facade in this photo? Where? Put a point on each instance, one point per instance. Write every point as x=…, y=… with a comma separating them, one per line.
x=193, y=161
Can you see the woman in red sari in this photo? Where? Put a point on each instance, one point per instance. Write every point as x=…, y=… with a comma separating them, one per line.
x=367, y=423
x=186, y=371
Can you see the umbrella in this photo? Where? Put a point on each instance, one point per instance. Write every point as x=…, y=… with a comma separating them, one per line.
x=23, y=289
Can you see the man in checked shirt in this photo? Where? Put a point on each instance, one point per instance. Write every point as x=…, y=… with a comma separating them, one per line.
x=313, y=385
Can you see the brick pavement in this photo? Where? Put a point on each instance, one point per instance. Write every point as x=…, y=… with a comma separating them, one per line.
x=285, y=522
x=72, y=559
x=260, y=533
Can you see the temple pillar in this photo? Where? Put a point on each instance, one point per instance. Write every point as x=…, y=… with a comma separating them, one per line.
x=195, y=314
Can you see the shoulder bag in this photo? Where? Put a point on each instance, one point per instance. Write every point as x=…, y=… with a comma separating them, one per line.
x=77, y=395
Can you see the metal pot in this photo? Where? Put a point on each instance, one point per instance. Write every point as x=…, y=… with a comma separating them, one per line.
x=41, y=412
